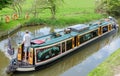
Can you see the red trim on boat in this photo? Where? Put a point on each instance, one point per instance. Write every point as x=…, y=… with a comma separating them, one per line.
x=38, y=41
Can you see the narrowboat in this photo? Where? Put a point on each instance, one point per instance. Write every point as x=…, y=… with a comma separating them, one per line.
x=48, y=48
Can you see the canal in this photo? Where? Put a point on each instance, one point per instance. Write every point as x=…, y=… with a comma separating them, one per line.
x=79, y=63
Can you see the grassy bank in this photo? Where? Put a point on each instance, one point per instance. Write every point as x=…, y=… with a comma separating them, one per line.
x=70, y=12
x=5, y=27
x=110, y=67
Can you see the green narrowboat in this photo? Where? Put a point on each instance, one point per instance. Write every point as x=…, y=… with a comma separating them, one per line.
x=48, y=48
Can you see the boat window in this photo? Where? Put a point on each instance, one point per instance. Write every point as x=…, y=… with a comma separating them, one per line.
x=105, y=29
x=63, y=47
x=69, y=44
x=46, y=53
x=113, y=26
x=94, y=33
x=85, y=38
x=75, y=41
x=88, y=36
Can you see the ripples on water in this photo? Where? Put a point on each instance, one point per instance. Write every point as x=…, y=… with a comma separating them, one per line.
x=77, y=64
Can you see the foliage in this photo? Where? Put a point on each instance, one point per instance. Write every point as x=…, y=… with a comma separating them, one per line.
x=1, y=22
x=114, y=7
x=64, y=21
x=4, y=3
x=53, y=6
x=111, y=7
x=34, y=21
x=17, y=6
x=37, y=7
x=108, y=67
x=100, y=6
x=45, y=4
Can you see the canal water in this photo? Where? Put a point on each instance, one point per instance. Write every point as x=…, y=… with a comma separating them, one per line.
x=79, y=63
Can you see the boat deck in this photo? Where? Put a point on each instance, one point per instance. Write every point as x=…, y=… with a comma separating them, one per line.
x=24, y=65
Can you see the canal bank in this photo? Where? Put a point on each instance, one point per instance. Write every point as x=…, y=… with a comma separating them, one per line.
x=110, y=67
x=15, y=29
x=9, y=32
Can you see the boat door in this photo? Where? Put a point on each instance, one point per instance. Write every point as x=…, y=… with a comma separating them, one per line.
x=110, y=27
x=30, y=56
x=78, y=40
x=20, y=52
x=73, y=43
x=100, y=30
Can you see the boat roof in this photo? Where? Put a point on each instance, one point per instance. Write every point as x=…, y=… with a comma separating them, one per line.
x=78, y=29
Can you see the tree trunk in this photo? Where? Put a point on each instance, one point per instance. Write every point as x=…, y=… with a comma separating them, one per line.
x=53, y=11
x=20, y=10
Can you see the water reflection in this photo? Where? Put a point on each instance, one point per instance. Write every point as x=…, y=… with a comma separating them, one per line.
x=3, y=62
x=77, y=63
x=83, y=68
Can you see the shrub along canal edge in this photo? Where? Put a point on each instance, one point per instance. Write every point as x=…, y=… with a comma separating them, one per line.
x=110, y=67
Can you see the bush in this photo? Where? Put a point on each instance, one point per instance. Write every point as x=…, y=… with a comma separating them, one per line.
x=35, y=21
x=1, y=22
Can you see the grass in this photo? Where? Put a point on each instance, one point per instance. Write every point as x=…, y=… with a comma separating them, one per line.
x=5, y=27
x=110, y=67
x=76, y=10
x=70, y=12
x=11, y=24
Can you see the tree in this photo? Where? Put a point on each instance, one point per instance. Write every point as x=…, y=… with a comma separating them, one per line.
x=5, y=3
x=111, y=7
x=46, y=4
x=53, y=4
x=37, y=6
x=17, y=6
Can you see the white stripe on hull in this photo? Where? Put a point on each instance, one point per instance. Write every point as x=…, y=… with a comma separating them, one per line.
x=25, y=69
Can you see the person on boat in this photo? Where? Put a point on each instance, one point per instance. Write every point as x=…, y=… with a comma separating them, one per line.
x=27, y=44
x=110, y=18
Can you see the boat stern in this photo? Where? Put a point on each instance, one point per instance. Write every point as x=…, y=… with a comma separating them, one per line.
x=17, y=66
